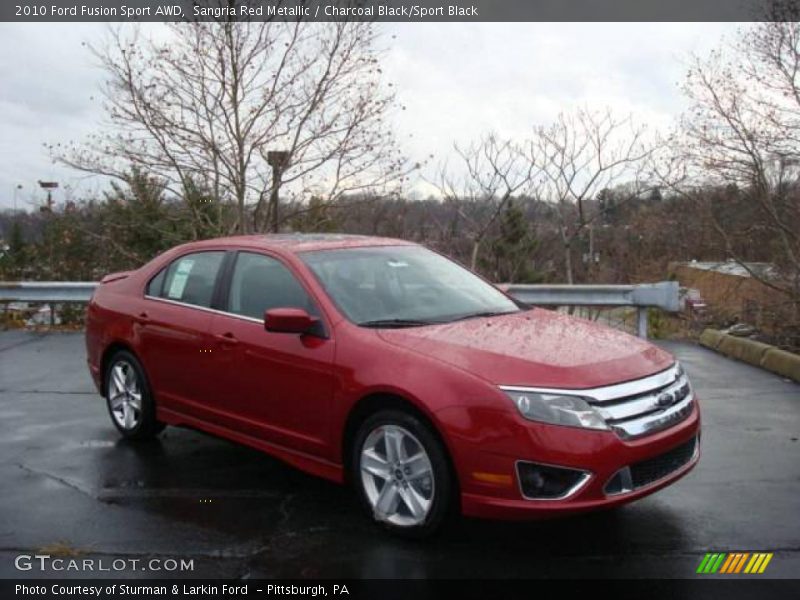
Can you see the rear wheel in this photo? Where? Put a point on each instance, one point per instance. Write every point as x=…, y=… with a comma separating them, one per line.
x=402, y=473
x=129, y=399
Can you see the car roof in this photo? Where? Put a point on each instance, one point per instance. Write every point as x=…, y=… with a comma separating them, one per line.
x=302, y=242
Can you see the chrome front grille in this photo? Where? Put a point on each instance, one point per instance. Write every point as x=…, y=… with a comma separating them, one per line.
x=644, y=406
x=649, y=405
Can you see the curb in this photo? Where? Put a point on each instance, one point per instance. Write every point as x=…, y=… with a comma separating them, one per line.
x=754, y=353
x=710, y=338
x=748, y=351
x=783, y=363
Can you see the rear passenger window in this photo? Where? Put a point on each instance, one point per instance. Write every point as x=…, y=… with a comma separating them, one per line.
x=191, y=278
x=260, y=283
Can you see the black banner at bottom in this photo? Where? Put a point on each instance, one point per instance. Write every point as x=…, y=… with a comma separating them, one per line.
x=389, y=589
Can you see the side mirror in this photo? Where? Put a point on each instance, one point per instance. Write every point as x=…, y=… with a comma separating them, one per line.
x=288, y=320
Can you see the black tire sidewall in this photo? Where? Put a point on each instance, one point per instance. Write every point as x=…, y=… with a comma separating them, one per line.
x=443, y=478
x=148, y=426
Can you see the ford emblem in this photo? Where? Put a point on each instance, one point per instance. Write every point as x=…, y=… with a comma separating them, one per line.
x=665, y=399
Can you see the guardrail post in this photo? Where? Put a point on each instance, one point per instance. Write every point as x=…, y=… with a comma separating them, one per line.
x=641, y=324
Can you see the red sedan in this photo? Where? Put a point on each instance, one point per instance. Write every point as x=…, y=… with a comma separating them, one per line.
x=386, y=365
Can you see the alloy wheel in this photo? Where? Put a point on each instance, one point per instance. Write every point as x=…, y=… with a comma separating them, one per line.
x=397, y=476
x=125, y=395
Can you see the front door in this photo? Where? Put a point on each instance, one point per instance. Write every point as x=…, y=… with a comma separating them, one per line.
x=274, y=386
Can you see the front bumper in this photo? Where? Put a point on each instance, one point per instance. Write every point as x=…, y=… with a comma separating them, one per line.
x=487, y=444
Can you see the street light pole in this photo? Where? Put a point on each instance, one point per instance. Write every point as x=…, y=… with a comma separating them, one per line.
x=17, y=188
x=49, y=186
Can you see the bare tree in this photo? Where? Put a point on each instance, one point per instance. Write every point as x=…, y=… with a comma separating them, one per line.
x=580, y=155
x=202, y=105
x=743, y=130
x=488, y=173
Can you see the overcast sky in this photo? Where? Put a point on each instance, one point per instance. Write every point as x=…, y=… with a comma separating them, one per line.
x=456, y=81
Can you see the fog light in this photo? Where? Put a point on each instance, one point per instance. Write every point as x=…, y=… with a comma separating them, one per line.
x=544, y=482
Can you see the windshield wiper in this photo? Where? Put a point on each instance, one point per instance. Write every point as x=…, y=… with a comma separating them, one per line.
x=397, y=323
x=488, y=313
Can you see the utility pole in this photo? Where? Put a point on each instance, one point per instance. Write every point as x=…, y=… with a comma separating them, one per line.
x=278, y=160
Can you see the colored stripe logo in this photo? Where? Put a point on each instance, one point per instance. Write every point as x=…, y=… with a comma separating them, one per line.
x=734, y=563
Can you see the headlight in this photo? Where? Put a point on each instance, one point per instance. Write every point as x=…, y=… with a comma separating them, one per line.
x=557, y=409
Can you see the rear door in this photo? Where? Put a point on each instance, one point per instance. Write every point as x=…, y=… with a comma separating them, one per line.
x=173, y=328
x=275, y=386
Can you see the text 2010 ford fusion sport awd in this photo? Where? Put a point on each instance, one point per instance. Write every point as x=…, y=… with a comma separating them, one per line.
x=384, y=364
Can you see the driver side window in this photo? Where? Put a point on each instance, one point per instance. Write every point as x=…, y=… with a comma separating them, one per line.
x=260, y=283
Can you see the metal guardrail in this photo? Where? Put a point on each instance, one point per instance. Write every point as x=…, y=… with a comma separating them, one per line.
x=46, y=291
x=662, y=295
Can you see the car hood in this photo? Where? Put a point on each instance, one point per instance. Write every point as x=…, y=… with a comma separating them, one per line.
x=539, y=348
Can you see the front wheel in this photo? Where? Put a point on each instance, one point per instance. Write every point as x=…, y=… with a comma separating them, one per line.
x=402, y=473
x=130, y=401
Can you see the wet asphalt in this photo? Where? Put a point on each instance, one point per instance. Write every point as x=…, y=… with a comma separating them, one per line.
x=70, y=486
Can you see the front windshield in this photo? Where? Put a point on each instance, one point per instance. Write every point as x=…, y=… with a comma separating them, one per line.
x=403, y=286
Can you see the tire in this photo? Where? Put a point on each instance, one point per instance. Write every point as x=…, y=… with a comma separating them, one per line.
x=129, y=399
x=416, y=467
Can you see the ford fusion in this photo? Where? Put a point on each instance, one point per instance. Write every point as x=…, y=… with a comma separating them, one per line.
x=385, y=365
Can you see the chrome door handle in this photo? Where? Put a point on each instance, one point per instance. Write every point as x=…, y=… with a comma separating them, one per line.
x=227, y=338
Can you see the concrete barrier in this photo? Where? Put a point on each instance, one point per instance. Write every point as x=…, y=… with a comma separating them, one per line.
x=743, y=349
x=783, y=363
x=754, y=353
x=710, y=338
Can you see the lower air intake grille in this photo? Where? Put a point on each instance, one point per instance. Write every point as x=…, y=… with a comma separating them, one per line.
x=653, y=469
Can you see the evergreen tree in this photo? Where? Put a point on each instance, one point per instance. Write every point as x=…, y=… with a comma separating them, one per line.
x=513, y=249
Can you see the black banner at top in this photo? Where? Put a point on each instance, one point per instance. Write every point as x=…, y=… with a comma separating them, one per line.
x=395, y=10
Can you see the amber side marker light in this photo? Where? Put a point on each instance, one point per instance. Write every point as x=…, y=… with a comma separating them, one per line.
x=495, y=478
